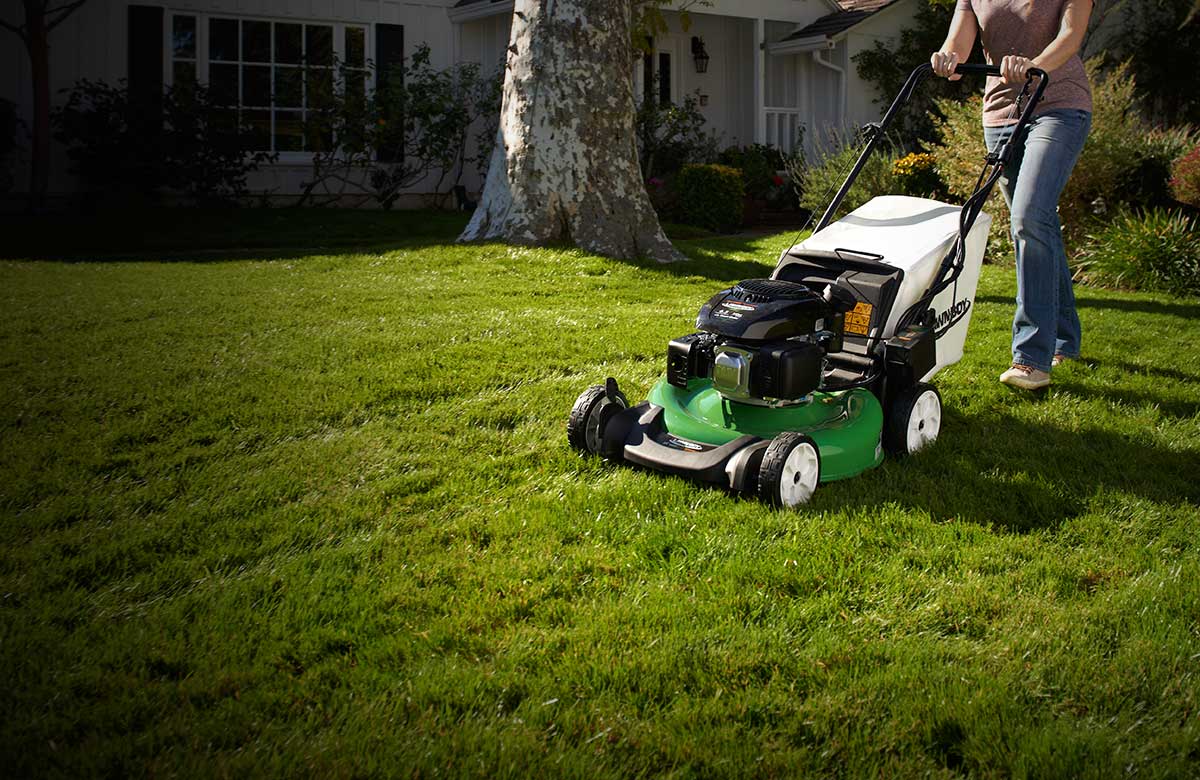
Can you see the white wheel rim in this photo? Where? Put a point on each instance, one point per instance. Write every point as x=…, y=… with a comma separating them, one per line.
x=924, y=421
x=801, y=470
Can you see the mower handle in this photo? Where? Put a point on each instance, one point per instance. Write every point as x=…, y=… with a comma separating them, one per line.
x=915, y=78
x=979, y=69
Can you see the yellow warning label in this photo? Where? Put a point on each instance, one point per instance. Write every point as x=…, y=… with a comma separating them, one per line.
x=859, y=320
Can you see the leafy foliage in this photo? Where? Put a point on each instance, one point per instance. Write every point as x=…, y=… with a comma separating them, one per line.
x=186, y=143
x=710, y=196
x=1185, y=178
x=1159, y=40
x=917, y=174
x=822, y=180
x=1156, y=250
x=418, y=124
x=887, y=68
x=670, y=136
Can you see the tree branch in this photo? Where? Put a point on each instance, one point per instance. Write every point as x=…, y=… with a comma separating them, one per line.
x=20, y=32
x=63, y=12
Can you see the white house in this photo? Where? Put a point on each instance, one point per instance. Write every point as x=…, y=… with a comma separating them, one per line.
x=773, y=65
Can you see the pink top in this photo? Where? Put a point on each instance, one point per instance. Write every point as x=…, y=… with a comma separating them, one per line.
x=1025, y=27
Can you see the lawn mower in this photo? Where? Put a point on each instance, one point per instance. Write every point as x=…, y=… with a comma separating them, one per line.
x=809, y=376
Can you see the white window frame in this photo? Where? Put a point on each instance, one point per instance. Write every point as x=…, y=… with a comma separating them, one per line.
x=202, y=63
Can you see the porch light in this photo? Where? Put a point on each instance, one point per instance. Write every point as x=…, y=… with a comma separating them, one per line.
x=700, y=54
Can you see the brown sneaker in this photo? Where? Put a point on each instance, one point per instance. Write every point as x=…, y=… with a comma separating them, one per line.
x=1025, y=377
x=1059, y=359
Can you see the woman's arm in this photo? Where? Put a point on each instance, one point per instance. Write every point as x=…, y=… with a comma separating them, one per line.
x=957, y=48
x=1064, y=46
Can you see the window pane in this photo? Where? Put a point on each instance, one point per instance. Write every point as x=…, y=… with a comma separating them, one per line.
x=258, y=127
x=356, y=91
x=288, y=43
x=664, y=77
x=318, y=136
x=256, y=41
x=185, y=75
x=256, y=85
x=320, y=87
x=318, y=42
x=289, y=87
x=183, y=37
x=223, y=84
x=289, y=131
x=223, y=39
x=356, y=47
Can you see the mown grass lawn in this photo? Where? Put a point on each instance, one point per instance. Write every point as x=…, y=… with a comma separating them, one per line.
x=312, y=512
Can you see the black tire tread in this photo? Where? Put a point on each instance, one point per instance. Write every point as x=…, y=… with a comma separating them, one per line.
x=577, y=422
x=771, y=469
x=895, y=428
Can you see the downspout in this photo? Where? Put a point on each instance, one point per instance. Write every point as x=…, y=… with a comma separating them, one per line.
x=841, y=73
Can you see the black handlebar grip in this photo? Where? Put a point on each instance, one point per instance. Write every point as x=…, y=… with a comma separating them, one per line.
x=978, y=69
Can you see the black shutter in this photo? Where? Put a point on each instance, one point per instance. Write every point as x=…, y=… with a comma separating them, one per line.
x=146, y=54
x=389, y=55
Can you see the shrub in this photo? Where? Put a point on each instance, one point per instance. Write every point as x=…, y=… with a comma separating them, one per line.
x=1157, y=250
x=415, y=127
x=710, y=196
x=822, y=180
x=1185, y=178
x=187, y=143
x=917, y=175
x=670, y=136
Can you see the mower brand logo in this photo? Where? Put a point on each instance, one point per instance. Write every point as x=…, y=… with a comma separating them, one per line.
x=950, y=317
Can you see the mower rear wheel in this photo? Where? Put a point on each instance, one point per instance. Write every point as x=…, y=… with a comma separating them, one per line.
x=915, y=420
x=790, y=470
x=592, y=411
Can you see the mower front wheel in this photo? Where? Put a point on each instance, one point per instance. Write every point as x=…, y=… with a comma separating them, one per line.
x=790, y=470
x=915, y=420
x=591, y=413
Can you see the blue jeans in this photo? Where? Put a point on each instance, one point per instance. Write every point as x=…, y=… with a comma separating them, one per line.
x=1045, y=322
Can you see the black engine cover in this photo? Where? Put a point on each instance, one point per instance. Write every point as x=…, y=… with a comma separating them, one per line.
x=760, y=310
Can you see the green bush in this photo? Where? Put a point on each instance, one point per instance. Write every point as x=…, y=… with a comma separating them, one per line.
x=710, y=196
x=185, y=142
x=1157, y=250
x=917, y=175
x=1185, y=178
x=822, y=180
x=670, y=136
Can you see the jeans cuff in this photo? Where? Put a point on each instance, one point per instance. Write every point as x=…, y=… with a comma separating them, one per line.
x=1024, y=361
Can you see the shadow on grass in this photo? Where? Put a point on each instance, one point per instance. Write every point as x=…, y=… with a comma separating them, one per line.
x=198, y=235
x=1084, y=301
x=1021, y=477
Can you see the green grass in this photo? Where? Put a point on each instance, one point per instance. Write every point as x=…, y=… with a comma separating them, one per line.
x=313, y=513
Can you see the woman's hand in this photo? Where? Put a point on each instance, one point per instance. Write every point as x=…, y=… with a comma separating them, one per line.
x=1014, y=68
x=944, y=63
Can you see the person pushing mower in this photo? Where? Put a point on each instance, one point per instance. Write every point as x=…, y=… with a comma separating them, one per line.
x=1018, y=35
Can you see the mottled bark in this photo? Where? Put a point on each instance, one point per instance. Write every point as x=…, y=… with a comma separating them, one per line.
x=565, y=165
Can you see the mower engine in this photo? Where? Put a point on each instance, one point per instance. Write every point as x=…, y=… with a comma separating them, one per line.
x=762, y=342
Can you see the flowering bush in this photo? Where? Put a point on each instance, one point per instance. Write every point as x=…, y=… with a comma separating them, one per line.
x=917, y=175
x=1185, y=178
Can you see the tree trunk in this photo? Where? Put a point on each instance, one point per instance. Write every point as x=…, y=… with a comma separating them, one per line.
x=39, y=62
x=565, y=165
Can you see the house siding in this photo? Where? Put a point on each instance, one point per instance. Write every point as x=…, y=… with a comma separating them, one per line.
x=93, y=44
